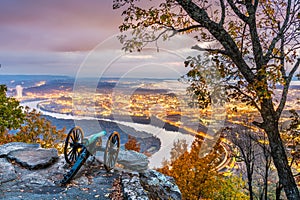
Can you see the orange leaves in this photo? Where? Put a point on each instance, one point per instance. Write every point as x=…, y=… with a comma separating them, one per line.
x=38, y=130
x=132, y=144
x=197, y=177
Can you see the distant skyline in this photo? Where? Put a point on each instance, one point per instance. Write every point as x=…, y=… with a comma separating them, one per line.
x=55, y=36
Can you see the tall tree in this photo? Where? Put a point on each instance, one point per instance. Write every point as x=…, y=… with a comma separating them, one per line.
x=257, y=42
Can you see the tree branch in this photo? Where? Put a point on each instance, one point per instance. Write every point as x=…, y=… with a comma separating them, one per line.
x=256, y=4
x=220, y=51
x=237, y=11
x=256, y=44
x=223, y=13
x=280, y=34
x=188, y=28
x=286, y=88
x=282, y=69
x=200, y=15
x=173, y=30
x=247, y=96
x=242, y=42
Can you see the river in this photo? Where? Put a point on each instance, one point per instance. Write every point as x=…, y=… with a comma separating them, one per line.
x=167, y=138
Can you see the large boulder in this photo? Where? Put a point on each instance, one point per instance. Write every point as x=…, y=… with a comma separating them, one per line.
x=34, y=159
x=133, y=160
x=159, y=186
x=5, y=149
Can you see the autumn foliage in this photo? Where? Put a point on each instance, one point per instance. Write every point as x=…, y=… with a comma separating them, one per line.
x=37, y=129
x=132, y=144
x=197, y=177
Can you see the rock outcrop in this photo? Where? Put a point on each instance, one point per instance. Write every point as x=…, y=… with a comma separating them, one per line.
x=159, y=186
x=37, y=159
x=28, y=171
x=132, y=187
x=149, y=185
x=7, y=171
x=132, y=160
x=9, y=147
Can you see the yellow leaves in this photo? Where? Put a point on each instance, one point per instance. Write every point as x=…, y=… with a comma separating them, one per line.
x=233, y=29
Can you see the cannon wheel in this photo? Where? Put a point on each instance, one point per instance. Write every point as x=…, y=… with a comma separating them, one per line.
x=73, y=145
x=111, y=151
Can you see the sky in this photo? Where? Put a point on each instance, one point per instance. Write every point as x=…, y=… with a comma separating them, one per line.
x=58, y=36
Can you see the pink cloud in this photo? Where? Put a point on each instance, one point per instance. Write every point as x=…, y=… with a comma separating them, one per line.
x=57, y=25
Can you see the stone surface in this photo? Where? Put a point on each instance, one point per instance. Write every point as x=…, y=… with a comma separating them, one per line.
x=132, y=188
x=133, y=160
x=39, y=158
x=7, y=171
x=159, y=186
x=91, y=182
x=6, y=148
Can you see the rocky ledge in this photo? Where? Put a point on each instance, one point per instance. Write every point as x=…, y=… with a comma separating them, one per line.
x=28, y=171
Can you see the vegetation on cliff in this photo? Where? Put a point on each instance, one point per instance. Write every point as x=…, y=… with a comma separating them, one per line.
x=28, y=125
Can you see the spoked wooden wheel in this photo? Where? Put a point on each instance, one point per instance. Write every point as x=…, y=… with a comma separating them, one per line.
x=111, y=151
x=73, y=145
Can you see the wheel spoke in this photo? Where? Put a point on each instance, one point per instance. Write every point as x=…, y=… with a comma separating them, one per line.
x=77, y=135
x=76, y=155
x=111, y=163
x=71, y=151
x=74, y=135
x=71, y=144
x=72, y=157
x=73, y=139
x=111, y=159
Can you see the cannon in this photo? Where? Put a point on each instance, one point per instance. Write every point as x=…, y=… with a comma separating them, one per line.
x=77, y=150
